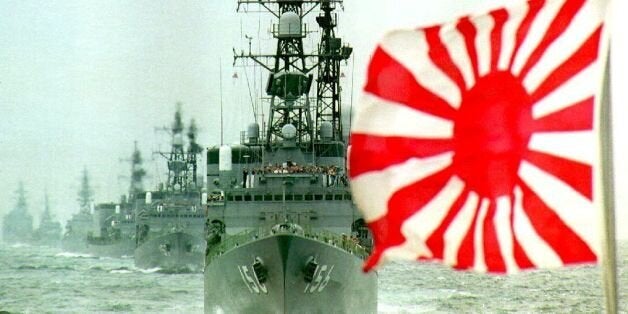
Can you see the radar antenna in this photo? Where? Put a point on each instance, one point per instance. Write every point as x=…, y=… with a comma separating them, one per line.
x=331, y=53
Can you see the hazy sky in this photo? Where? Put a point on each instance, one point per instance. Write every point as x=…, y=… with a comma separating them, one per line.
x=80, y=81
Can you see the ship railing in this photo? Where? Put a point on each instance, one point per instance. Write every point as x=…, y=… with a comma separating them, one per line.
x=347, y=243
x=343, y=241
x=229, y=242
x=276, y=195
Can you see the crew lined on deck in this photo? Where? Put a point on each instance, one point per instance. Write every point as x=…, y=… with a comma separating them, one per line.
x=332, y=175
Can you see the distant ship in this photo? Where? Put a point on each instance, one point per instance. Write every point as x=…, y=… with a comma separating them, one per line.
x=170, y=222
x=114, y=234
x=49, y=231
x=283, y=233
x=17, y=226
x=76, y=229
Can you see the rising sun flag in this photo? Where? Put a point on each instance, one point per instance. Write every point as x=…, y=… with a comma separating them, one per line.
x=475, y=142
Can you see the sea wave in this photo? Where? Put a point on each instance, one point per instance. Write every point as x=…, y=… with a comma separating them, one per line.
x=19, y=245
x=44, y=267
x=120, y=271
x=384, y=308
x=119, y=307
x=149, y=270
x=32, y=267
x=75, y=255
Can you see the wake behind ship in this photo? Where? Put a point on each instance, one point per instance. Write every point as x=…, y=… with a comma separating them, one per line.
x=170, y=222
x=283, y=234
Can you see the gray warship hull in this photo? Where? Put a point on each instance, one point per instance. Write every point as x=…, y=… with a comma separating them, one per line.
x=75, y=244
x=336, y=285
x=173, y=252
x=118, y=249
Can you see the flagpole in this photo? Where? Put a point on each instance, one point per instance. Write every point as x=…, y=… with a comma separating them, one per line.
x=609, y=256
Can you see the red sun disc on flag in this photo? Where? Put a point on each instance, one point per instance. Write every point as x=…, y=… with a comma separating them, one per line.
x=474, y=141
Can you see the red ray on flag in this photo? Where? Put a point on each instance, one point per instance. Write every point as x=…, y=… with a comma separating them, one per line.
x=475, y=143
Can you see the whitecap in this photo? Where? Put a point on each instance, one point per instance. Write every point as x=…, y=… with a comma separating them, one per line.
x=149, y=270
x=120, y=271
x=70, y=254
x=19, y=245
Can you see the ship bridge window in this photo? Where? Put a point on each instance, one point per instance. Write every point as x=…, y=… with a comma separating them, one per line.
x=338, y=197
x=247, y=197
x=238, y=198
x=257, y=197
x=298, y=197
x=348, y=196
x=278, y=197
x=268, y=197
x=309, y=197
x=289, y=197
x=329, y=197
x=318, y=197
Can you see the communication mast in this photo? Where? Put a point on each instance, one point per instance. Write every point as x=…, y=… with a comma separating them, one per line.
x=177, y=162
x=182, y=163
x=137, y=174
x=85, y=194
x=290, y=76
x=328, y=91
x=194, y=149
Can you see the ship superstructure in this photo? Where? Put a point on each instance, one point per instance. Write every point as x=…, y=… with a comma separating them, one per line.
x=76, y=229
x=114, y=233
x=283, y=233
x=170, y=221
x=49, y=231
x=17, y=226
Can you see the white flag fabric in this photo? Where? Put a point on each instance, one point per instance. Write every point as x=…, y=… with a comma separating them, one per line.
x=475, y=141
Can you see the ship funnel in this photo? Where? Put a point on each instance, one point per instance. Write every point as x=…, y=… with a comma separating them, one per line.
x=149, y=197
x=224, y=158
x=289, y=25
x=326, y=131
x=253, y=133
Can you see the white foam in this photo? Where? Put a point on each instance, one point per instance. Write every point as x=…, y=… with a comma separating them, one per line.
x=71, y=254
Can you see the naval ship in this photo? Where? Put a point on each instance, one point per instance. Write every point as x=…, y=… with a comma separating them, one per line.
x=283, y=234
x=113, y=231
x=170, y=221
x=114, y=235
x=17, y=226
x=49, y=231
x=76, y=229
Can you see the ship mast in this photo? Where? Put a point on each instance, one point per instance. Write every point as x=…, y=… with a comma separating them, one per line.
x=194, y=149
x=46, y=215
x=290, y=80
x=137, y=174
x=182, y=164
x=85, y=194
x=290, y=76
x=331, y=53
x=21, y=205
x=177, y=162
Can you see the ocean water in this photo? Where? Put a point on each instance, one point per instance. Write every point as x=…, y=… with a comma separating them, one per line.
x=46, y=280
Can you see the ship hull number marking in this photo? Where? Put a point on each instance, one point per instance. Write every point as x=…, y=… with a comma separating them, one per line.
x=250, y=280
x=322, y=275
